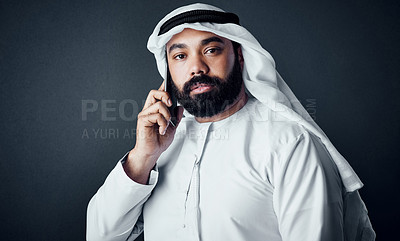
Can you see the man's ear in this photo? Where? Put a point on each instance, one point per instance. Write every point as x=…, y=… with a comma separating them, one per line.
x=240, y=56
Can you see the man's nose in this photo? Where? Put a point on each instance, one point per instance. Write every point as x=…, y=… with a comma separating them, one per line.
x=198, y=66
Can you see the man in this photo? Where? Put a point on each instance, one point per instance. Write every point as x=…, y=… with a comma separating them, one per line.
x=245, y=163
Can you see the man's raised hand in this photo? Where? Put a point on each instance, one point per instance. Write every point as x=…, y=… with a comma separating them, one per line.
x=154, y=134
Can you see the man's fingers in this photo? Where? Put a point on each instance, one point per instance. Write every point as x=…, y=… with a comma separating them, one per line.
x=162, y=87
x=156, y=118
x=157, y=95
x=158, y=107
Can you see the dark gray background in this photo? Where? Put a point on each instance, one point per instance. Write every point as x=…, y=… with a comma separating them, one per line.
x=344, y=55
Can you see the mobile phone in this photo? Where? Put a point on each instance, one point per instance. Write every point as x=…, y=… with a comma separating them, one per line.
x=168, y=89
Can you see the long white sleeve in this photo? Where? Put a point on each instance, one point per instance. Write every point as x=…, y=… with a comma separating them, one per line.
x=114, y=210
x=308, y=193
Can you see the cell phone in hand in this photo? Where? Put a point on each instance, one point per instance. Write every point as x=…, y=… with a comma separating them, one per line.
x=172, y=110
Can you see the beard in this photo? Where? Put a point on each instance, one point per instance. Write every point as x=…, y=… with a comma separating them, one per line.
x=224, y=93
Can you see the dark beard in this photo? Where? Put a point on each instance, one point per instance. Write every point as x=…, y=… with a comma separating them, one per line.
x=224, y=93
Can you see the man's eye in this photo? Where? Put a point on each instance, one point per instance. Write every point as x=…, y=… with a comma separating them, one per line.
x=212, y=50
x=179, y=56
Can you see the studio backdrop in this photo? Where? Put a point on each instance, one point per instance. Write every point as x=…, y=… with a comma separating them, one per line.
x=75, y=74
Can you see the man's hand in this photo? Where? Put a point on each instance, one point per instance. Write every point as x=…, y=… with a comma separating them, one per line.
x=154, y=134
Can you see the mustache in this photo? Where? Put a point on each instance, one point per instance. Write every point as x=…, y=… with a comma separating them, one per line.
x=201, y=79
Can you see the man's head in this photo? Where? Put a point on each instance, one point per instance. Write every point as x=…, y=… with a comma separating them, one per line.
x=257, y=65
x=206, y=71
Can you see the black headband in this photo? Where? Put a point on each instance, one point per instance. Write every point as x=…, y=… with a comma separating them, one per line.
x=195, y=16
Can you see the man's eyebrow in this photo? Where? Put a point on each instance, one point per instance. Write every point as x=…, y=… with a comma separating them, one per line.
x=176, y=46
x=203, y=42
x=212, y=39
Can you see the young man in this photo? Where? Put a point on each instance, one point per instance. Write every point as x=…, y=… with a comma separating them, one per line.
x=245, y=163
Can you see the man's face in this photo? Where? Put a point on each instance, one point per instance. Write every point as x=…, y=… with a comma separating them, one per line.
x=205, y=70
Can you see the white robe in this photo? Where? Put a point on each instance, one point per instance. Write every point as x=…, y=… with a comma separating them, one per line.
x=252, y=176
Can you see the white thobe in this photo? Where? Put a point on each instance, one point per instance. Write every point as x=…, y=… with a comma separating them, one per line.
x=252, y=176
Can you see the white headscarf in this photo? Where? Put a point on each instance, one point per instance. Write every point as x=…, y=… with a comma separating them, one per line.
x=260, y=78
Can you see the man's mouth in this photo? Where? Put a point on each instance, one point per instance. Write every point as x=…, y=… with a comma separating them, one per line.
x=200, y=88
